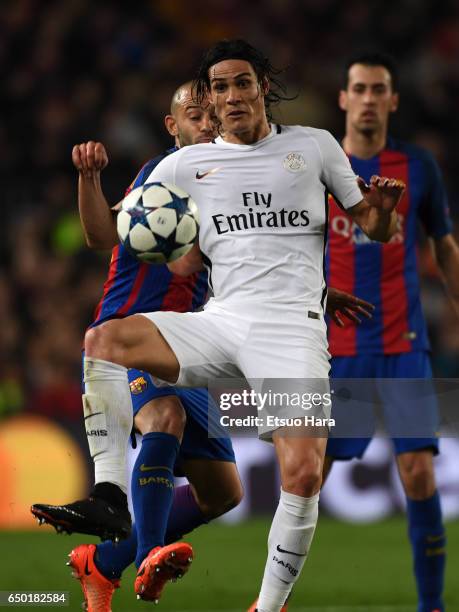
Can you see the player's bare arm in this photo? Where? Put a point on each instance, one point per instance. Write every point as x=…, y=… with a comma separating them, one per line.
x=446, y=251
x=98, y=221
x=189, y=263
x=340, y=303
x=376, y=214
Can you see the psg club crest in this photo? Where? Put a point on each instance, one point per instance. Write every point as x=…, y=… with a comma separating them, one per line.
x=294, y=162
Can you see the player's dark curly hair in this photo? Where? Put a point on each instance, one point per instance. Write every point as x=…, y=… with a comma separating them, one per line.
x=373, y=58
x=241, y=49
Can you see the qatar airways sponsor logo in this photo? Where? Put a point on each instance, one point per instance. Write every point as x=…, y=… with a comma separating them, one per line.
x=343, y=226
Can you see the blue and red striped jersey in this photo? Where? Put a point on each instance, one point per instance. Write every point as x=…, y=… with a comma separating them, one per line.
x=387, y=274
x=133, y=286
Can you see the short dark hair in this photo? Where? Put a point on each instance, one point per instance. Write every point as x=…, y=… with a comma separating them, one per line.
x=374, y=58
x=240, y=49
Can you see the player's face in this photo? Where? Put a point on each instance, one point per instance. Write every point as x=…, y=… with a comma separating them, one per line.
x=237, y=96
x=193, y=124
x=369, y=98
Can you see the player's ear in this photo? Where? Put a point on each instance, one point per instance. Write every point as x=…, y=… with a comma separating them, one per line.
x=394, y=102
x=265, y=86
x=171, y=125
x=342, y=99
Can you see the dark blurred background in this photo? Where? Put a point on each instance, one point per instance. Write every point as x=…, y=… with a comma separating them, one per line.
x=78, y=70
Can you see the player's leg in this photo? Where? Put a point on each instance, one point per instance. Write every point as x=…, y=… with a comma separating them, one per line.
x=286, y=356
x=411, y=409
x=111, y=349
x=160, y=417
x=216, y=489
x=209, y=464
x=161, y=423
x=425, y=524
x=165, y=344
x=210, y=493
x=157, y=411
x=301, y=460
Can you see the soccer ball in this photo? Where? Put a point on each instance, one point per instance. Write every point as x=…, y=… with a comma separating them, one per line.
x=158, y=222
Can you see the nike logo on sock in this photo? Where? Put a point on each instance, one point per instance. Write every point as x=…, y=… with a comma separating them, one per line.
x=147, y=468
x=289, y=552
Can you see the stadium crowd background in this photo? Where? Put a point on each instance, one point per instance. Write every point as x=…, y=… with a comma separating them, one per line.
x=81, y=70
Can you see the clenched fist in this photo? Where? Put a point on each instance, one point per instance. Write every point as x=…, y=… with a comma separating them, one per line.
x=89, y=158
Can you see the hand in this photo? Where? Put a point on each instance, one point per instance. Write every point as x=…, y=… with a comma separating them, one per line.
x=342, y=303
x=382, y=192
x=89, y=158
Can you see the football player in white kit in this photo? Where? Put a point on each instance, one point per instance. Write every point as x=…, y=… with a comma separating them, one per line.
x=262, y=193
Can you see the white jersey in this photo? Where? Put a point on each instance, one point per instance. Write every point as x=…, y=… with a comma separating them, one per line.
x=263, y=210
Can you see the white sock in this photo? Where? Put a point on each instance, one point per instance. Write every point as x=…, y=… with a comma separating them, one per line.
x=289, y=541
x=107, y=407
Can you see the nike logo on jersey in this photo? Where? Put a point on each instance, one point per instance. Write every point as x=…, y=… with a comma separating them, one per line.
x=201, y=175
x=147, y=468
x=289, y=552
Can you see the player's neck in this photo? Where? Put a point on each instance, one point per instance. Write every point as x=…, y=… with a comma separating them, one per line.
x=364, y=145
x=250, y=136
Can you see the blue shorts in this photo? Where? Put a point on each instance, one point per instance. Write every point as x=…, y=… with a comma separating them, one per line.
x=396, y=408
x=199, y=408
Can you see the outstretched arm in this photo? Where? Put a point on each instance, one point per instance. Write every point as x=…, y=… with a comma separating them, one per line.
x=97, y=219
x=376, y=214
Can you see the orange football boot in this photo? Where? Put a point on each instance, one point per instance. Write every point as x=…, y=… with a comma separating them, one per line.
x=253, y=607
x=163, y=563
x=98, y=590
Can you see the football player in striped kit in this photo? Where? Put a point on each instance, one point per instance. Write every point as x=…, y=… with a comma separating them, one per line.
x=395, y=343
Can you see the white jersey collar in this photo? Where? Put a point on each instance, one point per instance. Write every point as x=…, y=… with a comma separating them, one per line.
x=275, y=129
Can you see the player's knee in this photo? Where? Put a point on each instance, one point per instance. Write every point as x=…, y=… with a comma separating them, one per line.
x=303, y=478
x=164, y=414
x=102, y=341
x=417, y=474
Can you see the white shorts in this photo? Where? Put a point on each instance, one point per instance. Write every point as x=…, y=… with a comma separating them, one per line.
x=246, y=340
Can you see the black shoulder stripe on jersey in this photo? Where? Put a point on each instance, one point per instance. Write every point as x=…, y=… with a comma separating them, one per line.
x=278, y=128
x=324, y=292
x=206, y=261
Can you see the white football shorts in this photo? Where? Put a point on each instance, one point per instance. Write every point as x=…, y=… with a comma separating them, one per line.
x=247, y=340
